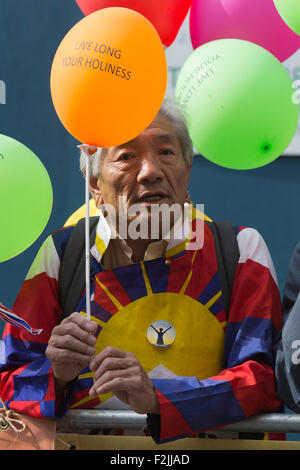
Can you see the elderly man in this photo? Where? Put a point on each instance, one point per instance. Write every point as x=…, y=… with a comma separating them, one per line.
x=208, y=368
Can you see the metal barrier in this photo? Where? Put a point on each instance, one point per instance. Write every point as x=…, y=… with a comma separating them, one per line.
x=123, y=419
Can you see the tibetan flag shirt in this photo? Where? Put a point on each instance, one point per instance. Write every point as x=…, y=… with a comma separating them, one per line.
x=209, y=368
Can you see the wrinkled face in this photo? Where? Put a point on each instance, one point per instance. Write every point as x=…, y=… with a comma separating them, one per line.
x=147, y=172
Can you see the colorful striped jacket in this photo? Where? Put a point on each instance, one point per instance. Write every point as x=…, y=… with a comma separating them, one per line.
x=219, y=369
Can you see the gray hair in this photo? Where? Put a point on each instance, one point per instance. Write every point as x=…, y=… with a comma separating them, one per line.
x=175, y=116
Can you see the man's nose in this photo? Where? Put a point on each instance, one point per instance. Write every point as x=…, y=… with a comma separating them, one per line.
x=149, y=169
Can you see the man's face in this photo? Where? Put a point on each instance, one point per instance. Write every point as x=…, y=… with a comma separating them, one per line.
x=149, y=171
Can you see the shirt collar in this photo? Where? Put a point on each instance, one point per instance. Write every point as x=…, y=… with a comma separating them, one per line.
x=173, y=243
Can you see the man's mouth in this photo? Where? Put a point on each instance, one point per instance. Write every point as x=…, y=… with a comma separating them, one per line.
x=152, y=198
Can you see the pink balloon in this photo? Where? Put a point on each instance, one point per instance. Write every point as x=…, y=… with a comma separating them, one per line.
x=256, y=21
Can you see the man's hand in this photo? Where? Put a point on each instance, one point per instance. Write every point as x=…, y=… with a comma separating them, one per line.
x=71, y=347
x=121, y=373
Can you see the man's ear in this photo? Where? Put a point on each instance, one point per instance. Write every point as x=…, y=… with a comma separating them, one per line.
x=96, y=191
x=188, y=174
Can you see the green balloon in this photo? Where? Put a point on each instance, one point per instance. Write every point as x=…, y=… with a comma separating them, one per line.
x=238, y=102
x=25, y=197
x=289, y=10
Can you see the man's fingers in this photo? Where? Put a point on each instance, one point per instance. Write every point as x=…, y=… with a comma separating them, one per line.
x=70, y=343
x=120, y=372
x=109, y=353
x=75, y=331
x=112, y=363
x=81, y=321
x=65, y=356
x=110, y=374
x=72, y=340
x=110, y=366
x=113, y=382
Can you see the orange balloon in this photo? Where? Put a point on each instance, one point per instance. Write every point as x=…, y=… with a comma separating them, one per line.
x=109, y=77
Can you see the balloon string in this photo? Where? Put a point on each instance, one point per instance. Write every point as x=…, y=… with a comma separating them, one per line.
x=87, y=239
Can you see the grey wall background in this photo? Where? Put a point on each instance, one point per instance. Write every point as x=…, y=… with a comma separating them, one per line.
x=30, y=32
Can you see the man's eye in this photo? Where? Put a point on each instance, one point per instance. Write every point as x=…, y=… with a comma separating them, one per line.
x=167, y=152
x=125, y=156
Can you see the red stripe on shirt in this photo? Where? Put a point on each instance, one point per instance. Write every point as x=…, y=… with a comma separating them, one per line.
x=38, y=304
x=258, y=376
x=171, y=419
x=109, y=280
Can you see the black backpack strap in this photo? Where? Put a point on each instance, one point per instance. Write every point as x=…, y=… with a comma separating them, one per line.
x=227, y=252
x=71, y=281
